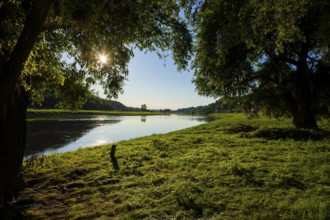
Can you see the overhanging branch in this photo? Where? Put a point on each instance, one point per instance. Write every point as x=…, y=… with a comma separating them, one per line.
x=12, y=69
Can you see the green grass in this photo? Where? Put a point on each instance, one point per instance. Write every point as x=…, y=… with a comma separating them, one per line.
x=231, y=168
x=41, y=114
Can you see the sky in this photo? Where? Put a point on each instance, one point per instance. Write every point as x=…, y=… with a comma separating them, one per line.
x=158, y=84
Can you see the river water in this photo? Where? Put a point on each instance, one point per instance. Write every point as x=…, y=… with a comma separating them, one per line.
x=49, y=136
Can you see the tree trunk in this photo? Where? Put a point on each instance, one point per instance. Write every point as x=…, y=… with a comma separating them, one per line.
x=300, y=104
x=12, y=136
x=304, y=117
x=13, y=101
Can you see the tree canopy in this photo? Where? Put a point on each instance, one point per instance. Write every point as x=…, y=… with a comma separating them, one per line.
x=54, y=46
x=143, y=107
x=270, y=56
x=65, y=54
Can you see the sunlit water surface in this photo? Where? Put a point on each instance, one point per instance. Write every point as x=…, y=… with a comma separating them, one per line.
x=49, y=136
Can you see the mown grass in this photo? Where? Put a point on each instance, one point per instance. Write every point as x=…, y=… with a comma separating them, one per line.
x=40, y=114
x=231, y=168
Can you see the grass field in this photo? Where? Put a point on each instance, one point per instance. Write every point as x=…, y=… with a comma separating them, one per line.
x=231, y=168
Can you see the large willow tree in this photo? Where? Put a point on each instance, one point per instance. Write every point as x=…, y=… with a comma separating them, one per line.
x=38, y=37
x=270, y=56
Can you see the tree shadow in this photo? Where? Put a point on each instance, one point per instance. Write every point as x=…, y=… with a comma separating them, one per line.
x=294, y=134
x=15, y=210
x=240, y=129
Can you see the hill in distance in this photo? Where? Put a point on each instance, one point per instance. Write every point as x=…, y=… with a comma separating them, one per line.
x=93, y=103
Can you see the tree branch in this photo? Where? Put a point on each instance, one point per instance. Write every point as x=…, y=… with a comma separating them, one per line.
x=288, y=60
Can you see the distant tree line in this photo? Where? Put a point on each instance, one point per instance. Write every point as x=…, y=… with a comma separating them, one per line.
x=167, y=110
x=216, y=107
x=93, y=103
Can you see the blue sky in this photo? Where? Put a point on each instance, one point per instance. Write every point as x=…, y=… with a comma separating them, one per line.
x=158, y=84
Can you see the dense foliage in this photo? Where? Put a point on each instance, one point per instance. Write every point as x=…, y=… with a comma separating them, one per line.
x=267, y=56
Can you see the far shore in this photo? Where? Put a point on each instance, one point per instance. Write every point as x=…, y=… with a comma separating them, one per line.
x=54, y=114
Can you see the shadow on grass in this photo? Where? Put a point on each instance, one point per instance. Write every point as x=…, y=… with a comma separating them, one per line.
x=20, y=207
x=294, y=134
x=15, y=210
x=240, y=129
x=288, y=182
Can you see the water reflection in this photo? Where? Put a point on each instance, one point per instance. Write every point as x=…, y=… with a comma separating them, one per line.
x=70, y=134
x=48, y=135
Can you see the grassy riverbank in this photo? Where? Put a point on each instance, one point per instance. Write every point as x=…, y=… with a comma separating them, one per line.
x=231, y=168
x=35, y=114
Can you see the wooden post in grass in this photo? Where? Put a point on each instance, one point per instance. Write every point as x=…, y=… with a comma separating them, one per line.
x=113, y=151
x=113, y=157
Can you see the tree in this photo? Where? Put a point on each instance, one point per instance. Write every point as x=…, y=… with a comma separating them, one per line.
x=270, y=56
x=143, y=107
x=36, y=35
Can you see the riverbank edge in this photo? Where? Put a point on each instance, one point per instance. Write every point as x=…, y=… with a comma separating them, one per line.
x=230, y=168
x=55, y=114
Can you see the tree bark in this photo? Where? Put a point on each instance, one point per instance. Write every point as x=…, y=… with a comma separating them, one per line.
x=300, y=104
x=13, y=101
x=12, y=136
x=304, y=117
x=300, y=99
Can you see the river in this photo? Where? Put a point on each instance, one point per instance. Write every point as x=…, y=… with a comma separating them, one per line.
x=49, y=136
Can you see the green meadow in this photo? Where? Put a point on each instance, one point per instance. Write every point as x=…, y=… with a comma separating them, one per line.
x=230, y=168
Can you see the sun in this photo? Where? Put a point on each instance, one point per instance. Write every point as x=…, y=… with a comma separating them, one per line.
x=103, y=58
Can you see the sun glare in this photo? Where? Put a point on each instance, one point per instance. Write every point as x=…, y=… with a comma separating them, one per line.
x=103, y=58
